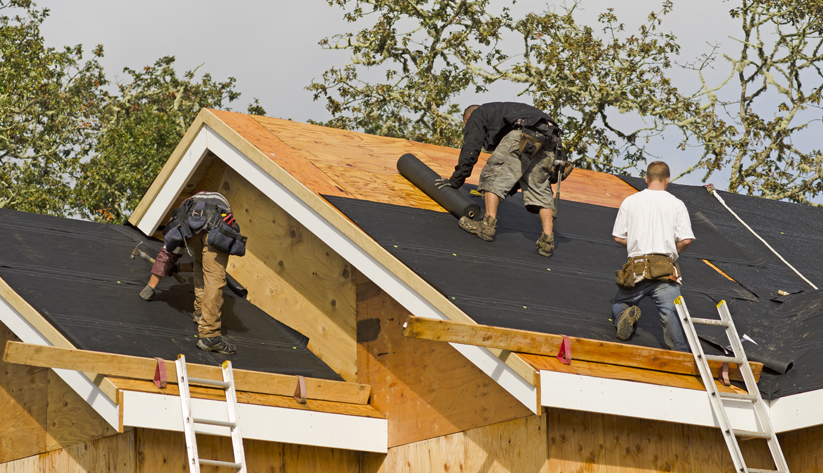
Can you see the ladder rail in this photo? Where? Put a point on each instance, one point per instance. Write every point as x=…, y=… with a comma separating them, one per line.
x=752, y=388
x=189, y=421
x=231, y=401
x=708, y=383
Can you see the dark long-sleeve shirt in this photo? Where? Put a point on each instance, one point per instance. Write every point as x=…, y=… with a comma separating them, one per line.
x=485, y=129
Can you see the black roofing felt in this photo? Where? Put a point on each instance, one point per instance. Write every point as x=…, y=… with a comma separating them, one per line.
x=79, y=276
x=505, y=283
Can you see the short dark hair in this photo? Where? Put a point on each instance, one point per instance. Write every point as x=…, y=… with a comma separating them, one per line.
x=658, y=171
x=469, y=110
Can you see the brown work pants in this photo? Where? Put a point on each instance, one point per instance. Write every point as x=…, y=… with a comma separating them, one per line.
x=209, y=280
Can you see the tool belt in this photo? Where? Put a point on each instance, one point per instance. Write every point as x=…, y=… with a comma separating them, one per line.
x=541, y=135
x=196, y=216
x=652, y=267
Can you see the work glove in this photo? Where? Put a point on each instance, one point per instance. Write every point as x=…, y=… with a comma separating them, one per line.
x=561, y=171
x=147, y=293
x=441, y=183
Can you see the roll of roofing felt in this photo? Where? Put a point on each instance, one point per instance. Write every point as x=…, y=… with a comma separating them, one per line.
x=451, y=199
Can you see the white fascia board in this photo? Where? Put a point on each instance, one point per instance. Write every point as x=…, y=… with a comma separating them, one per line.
x=271, y=424
x=797, y=411
x=78, y=381
x=207, y=139
x=640, y=400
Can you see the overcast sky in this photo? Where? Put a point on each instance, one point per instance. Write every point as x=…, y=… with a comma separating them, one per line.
x=271, y=46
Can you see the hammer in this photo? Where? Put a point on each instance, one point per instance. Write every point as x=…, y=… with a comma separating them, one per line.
x=138, y=252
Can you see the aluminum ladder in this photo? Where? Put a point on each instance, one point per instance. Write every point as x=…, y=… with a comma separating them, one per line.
x=717, y=399
x=189, y=420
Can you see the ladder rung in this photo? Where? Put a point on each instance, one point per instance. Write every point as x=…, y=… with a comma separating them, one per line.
x=741, y=397
x=758, y=470
x=221, y=423
x=752, y=434
x=236, y=466
x=721, y=323
x=210, y=382
x=724, y=359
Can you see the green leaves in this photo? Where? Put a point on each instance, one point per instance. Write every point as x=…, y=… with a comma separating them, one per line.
x=68, y=146
x=138, y=130
x=431, y=52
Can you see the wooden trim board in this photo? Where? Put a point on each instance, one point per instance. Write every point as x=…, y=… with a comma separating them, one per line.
x=272, y=424
x=32, y=328
x=549, y=344
x=245, y=397
x=348, y=240
x=127, y=366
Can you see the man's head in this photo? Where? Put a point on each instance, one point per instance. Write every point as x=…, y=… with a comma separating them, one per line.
x=468, y=112
x=658, y=173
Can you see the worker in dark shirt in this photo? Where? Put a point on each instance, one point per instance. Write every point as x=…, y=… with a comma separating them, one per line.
x=525, y=144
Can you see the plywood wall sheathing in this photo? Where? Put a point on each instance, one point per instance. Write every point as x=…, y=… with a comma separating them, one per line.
x=293, y=276
x=425, y=389
x=585, y=441
x=39, y=412
x=159, y=451
x=517, y=446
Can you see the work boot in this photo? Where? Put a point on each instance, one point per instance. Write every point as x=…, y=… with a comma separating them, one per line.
x=545, y=244
x=484, y=229
x=626, y=321
x=216, y=344
x=196, y=316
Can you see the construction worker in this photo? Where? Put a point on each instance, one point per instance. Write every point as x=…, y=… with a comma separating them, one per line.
x=654, y=226
x=205, y=227
x=524, y=143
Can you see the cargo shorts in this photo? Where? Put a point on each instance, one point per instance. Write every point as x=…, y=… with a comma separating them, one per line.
x=506, y=167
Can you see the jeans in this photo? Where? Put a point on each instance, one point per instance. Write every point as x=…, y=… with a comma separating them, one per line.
x=663, y=293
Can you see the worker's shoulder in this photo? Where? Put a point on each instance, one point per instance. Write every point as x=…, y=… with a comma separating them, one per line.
x=648, y=196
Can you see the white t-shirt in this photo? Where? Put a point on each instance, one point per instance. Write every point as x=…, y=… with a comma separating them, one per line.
x=652, y=222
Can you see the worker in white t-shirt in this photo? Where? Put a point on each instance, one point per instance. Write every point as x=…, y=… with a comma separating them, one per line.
x=654, y=226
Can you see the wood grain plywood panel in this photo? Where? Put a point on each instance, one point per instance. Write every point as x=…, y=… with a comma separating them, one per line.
x=514, y=446
x=279, y=152
x=23, y=407
x=116, y=454
x=803, y=449
x=597, y=188
x=444, y=454
x=425, y=389
x=378, y=155
x=161, y=451
x=384, y=188
x=71, y=420
x=589, y=442
x=293, y=276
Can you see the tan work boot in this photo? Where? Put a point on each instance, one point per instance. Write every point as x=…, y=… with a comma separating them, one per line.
x=626, y=321
x=484, y=229
x=545, y=244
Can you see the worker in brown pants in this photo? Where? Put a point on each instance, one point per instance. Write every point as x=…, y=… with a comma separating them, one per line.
x=205, y=226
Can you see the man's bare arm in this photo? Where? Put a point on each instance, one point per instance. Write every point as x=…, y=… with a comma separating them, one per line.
x=682, y=245
x=623, y=241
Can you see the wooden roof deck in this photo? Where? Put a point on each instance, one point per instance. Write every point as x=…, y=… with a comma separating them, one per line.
x=350, y=164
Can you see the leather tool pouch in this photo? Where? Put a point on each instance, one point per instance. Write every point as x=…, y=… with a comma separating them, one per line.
x=624, y=277
x=653, y=267
x=660, y=267
x=530, y=142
